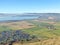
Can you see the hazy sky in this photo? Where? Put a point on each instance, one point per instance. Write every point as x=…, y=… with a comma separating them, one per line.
x=32, y=6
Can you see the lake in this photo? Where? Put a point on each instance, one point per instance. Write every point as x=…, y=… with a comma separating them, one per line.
x=6, y=18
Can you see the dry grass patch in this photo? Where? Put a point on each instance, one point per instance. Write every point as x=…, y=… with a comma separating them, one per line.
x=18, y=25
x=53, y=41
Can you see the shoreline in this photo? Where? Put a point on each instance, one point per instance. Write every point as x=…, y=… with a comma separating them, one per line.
x=14, y=20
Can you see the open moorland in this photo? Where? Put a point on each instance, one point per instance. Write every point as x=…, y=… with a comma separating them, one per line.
x=30, y=32
x=47, y=33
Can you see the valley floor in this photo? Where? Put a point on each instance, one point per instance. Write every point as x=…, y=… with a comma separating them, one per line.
x=38, y=28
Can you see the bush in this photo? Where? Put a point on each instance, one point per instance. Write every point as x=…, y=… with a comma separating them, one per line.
x=18, y=35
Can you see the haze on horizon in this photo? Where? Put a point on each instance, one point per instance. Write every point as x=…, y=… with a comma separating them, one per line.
x=29, y=6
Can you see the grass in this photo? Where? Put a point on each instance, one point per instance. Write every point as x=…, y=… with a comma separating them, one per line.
x=40, y=31
x=2, y=28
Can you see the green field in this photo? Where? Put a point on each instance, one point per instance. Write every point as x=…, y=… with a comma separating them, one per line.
x=40, y=30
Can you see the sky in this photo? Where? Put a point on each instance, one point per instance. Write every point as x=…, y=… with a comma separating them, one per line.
x=29, y=6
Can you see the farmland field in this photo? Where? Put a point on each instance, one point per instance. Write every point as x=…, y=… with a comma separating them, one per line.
x=38, y=28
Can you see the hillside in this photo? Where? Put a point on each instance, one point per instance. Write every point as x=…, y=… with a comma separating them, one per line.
x=44, y=30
